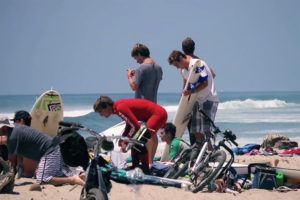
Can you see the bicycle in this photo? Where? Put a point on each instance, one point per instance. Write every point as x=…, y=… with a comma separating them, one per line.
x=100, y=172
x=203, y=165
x=96, y=186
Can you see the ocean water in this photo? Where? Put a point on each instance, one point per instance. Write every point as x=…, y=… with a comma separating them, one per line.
x=250, y=115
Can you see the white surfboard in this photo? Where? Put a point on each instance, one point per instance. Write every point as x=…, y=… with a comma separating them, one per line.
x=185, y=107
x=242, y=169
x=115, y=130
x=46, y=112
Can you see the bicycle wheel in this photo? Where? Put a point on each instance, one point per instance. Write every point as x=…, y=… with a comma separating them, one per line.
x=95, y=194
x=209, y=171
x=180, y=166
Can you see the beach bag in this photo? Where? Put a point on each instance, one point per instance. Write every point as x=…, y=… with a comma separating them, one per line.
x=159, y=169
x=264, y=178
x=273, y=140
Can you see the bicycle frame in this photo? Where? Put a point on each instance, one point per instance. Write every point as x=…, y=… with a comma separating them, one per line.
x=95, y=185
x=204, y=165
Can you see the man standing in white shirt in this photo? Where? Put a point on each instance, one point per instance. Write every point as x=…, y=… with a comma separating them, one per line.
x=207, y=98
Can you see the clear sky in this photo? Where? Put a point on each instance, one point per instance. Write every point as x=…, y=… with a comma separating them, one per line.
x=85, y=46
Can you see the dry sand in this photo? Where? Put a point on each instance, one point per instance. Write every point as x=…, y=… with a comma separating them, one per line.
x=149, y=192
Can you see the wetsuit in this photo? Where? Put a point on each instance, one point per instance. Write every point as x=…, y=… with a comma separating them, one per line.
x=134, y=110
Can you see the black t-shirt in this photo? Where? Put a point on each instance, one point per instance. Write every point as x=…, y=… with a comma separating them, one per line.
x=28, y=142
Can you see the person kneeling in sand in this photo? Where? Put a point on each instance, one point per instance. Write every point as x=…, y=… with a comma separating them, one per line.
x=35, y=145
x=176, y=145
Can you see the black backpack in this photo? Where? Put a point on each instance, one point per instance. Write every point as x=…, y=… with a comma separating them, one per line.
x=73, y=148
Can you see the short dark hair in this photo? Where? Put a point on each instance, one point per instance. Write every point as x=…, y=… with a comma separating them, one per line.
x=175, y=56
x=22, y=114
x=102, y=102
x=188, y=46
x=140, y=49
x=170, y=128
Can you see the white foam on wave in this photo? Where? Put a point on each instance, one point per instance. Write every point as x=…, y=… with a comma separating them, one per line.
x=250, y=103
x=9, y=115
x=77, y=113
x=171, y=108
x=257, y=116
x=275, y=131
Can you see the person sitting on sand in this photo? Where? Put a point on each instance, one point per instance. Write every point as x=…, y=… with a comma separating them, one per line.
x=132, y=111
x=176, y=145
x=23, y=166
x=33, y=144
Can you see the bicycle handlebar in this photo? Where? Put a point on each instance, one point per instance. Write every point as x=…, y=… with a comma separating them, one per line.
x=94, y=133
x=234, y=142
x=70, y=124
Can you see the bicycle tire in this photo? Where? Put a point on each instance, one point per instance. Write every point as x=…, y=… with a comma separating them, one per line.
x=209, y=173
x=95, y=194
x=179, y=167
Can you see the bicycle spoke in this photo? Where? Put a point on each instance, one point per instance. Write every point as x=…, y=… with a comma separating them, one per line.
x=210, y=170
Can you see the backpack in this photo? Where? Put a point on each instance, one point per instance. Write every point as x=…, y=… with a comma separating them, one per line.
x=73, y=148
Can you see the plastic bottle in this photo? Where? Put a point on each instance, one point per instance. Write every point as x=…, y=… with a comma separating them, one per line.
x=212, y=187
x=279, y=178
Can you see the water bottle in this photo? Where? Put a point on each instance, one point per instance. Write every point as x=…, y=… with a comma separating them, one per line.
x=136, y=173
x=279, y=178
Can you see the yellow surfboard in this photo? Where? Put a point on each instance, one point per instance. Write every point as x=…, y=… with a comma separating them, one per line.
x=47, y=112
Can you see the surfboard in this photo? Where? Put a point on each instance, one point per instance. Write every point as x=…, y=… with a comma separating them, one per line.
x=185, y=106
x=46, y=112
x=242, y=169
x=115, y=130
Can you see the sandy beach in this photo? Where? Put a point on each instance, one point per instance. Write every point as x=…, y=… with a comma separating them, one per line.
x=150, y=192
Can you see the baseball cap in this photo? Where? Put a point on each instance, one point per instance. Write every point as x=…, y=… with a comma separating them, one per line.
x=4, y=121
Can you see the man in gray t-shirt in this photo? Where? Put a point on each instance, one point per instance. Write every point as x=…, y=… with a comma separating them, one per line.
x=28, y=142
x=145, y=81
x=147, y=77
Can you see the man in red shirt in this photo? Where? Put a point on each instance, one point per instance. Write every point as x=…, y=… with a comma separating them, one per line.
x=132, y=111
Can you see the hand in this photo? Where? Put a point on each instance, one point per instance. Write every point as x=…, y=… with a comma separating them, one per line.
x=130, y=73
x=186, y=92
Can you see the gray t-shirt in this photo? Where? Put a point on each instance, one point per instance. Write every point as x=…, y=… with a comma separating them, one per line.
x=147, y=77
x=28, y=142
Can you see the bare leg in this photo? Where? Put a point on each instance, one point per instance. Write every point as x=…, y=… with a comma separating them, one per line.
x=200, y=138
x=152, y=147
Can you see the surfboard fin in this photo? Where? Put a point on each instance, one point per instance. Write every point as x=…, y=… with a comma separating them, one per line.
x=45, y=121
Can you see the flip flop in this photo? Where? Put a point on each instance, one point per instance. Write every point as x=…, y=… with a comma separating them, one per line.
x=270, y=152
x=284, y=189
